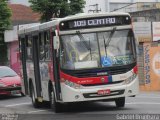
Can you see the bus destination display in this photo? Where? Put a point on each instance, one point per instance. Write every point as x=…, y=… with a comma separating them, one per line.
x=95, y=22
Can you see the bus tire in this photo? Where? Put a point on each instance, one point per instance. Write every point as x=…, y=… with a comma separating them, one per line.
x=35, y=102
x=120, y=102
x=55, y=106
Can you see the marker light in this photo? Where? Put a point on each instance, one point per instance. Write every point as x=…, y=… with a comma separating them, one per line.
x=133, y=76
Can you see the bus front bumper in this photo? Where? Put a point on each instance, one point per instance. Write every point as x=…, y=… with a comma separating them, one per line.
x=70, y=94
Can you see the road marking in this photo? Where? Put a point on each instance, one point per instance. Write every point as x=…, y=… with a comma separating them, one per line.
x=147, y=97
x=37, y=111
x=12, y=105
x=144, y=103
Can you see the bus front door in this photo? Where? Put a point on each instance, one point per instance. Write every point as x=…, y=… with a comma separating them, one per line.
x=22, y=46
x=56, y=73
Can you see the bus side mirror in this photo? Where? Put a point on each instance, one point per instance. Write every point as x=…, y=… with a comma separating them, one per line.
x=56, y=42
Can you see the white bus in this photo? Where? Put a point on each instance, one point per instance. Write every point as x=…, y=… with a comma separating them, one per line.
x=84, y=57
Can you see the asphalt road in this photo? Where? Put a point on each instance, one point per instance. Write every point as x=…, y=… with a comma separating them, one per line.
x=142, y=104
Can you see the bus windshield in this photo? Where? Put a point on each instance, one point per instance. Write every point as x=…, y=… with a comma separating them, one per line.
x=97, y=50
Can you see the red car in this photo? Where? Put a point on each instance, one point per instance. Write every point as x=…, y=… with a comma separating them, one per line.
x=10, y=82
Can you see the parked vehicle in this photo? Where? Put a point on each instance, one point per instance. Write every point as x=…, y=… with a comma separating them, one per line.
x=10, y=81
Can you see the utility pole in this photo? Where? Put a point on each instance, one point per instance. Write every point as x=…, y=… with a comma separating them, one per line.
x=96, y=9
x=107, y=5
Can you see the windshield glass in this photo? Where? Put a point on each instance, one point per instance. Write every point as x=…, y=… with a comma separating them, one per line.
x=7, y=72
x=96, y=50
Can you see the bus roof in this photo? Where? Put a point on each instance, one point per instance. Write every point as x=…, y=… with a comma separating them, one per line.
x=89, y=15
x=55, y=21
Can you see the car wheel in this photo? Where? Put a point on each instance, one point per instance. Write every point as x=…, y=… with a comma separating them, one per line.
x=35, y=102
x=55, y=106
x=120, y=102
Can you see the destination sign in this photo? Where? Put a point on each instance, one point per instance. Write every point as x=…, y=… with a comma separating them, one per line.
x=95, y=22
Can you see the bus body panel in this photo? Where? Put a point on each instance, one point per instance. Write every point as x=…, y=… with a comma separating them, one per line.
x=31, y=75
x=44, y=74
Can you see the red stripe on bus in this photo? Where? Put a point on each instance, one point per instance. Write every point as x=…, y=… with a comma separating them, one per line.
x=86, y=80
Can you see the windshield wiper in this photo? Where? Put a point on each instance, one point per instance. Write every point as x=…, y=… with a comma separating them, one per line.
x=109, y=39
x=84, y=42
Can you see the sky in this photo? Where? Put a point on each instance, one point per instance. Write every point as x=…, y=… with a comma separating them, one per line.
x=24, y=2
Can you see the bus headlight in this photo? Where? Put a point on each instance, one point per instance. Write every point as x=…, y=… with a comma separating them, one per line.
x=130, y=79
x=73, y=85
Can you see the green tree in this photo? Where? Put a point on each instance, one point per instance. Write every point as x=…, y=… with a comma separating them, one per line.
x=5, y=15
x=56, y=8
x=76, y=6
x=49, y=8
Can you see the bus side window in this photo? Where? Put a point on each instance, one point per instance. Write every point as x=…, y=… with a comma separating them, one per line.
x=47, y=45
x=41, y=46
x=29, y=47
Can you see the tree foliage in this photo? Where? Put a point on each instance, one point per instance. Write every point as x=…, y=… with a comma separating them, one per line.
x=5, y=15
x=56, y=8
x=3, y=52
x=76, y=6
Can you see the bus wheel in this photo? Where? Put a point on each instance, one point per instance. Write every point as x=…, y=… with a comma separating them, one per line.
x=120, y=102
x=35, y=102
x=56, y=106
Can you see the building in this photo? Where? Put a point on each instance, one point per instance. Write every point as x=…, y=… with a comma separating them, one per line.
x=21, y=16
x=143, y=11
x=146, y=27
x=140, y=11
x=110, y=5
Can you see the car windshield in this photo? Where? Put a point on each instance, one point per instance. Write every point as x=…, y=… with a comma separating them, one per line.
x=7, y=72
x=97, y=50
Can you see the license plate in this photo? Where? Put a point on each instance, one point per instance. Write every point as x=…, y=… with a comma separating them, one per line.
x=15, y=92
x=104, y=92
